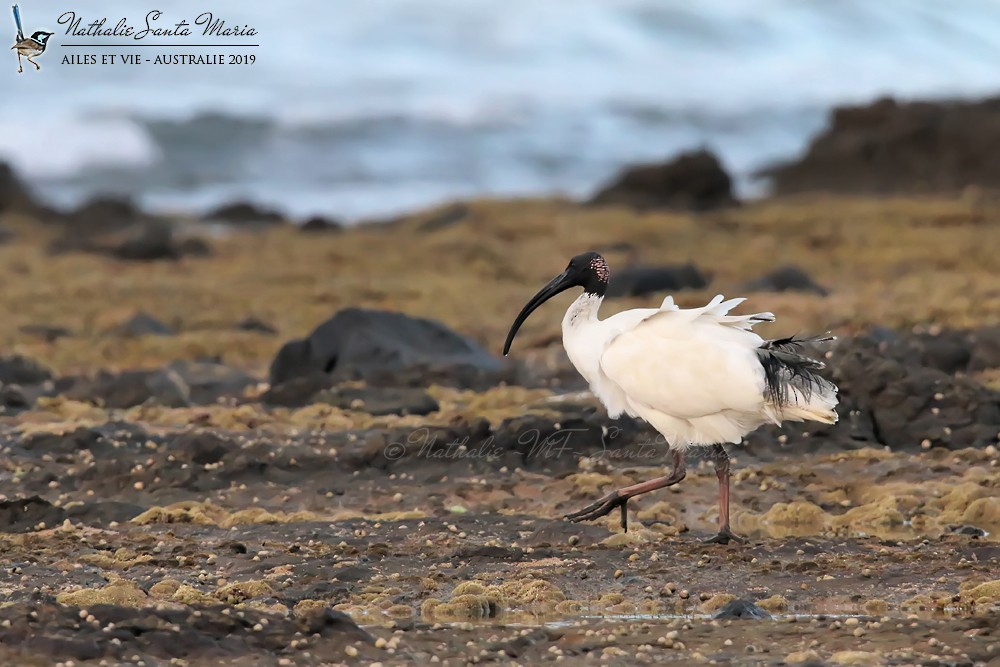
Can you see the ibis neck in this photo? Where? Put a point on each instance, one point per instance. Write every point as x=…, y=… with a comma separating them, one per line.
x=582, y=335
x=583, y=310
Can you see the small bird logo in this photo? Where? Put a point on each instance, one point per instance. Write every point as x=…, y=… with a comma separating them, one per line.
x=29, y=47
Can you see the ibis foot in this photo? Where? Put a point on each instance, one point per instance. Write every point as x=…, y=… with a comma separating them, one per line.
x=603, y=507
x=725, y=536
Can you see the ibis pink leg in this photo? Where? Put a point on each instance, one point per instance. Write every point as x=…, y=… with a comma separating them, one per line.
x=620, y=498
x=721, y=459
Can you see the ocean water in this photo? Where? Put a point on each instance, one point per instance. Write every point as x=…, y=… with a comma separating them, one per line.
x=360, y=109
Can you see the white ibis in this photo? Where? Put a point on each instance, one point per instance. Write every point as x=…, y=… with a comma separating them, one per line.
x=699, y=376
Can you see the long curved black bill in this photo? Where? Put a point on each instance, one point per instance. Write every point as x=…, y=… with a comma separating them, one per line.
x=560, y=283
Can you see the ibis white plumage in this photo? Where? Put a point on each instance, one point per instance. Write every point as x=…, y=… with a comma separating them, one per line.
x=699, y=376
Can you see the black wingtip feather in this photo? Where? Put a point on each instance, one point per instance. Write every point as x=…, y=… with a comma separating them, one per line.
x=786, y=371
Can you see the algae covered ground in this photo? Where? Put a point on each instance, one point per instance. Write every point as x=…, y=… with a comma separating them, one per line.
x=242, y=533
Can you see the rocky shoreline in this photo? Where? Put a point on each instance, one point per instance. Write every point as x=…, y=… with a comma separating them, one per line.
x=236, y=439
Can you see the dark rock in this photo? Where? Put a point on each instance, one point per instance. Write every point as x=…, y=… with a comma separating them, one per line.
x=295, y=359
x=985, y=349
x=298, y=391
x=254, y=324
x=12, y=396
x=22, y=370
x=909, y=403
x=193, y=246
x=693, y=181
x=209, y=382
x=48, y=332
x=948, y=351
x=104, y=442
x=142, y=324
x=889, y=146
x=151, y=241
x=379, y=401
x=318, y=388
x=156, y=240
x=329, y=621
x=103, y=513
x=643, y=280
x=360, y=344
x=321, y=224
x=14, y=194
x=556, y=445
x=448, y=216
x=21, y=515
x=131, y=388
x=63, y=443
x=38, y=632
x=202, y=447
x=784, y=279
x=741, y=609
x=104, y=214
x=245, y=213
x=491, y=552
x=76, y=649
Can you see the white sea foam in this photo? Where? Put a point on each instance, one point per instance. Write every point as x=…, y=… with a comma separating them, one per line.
x=389, y=102
x=62, y=147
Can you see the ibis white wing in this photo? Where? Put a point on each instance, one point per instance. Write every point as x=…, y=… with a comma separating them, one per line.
x=693, y=374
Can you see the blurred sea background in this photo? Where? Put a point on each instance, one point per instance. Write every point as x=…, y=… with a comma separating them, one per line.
x=367, y=109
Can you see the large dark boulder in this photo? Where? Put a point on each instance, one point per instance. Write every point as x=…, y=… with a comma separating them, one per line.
x=908, y=403
x=693, y=181
x=893, y=147
x=385, y=348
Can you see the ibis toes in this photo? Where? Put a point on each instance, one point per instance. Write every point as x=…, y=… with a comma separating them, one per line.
x=725, y=537
x=602, y=507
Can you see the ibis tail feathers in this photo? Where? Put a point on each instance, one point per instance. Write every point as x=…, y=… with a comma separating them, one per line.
x=793, y=388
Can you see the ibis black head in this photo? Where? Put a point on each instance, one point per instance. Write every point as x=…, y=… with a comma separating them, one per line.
x=588, y=270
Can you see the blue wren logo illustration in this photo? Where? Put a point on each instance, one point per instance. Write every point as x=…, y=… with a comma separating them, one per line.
x=29, y=47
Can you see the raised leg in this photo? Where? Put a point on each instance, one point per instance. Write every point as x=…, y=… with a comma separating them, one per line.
x=721, y=459
x=620, y=498
x=37, y=66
